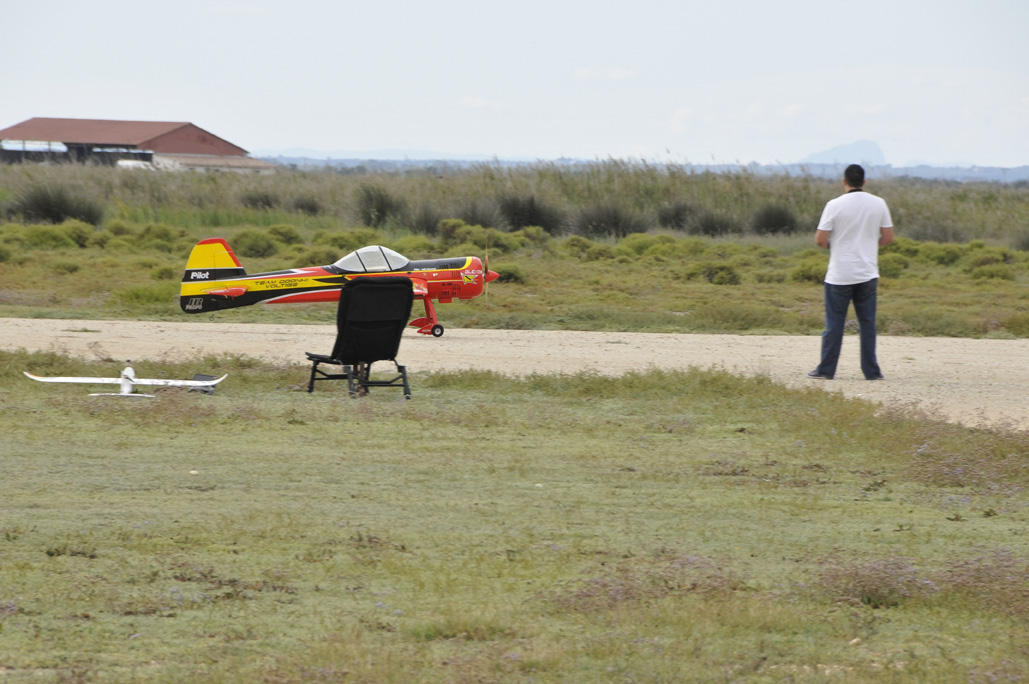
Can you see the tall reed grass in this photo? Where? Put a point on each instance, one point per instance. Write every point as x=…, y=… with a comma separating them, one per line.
x=606, y=197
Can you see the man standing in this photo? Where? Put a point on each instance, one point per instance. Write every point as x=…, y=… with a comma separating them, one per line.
x=856, y=225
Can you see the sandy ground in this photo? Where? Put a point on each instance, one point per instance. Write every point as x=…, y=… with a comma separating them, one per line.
x=970, y=381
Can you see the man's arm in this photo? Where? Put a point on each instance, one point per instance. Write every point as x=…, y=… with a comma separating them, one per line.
x=822, y=238
x=885, y=236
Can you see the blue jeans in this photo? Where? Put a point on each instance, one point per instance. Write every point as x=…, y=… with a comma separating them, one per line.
x=837, y=300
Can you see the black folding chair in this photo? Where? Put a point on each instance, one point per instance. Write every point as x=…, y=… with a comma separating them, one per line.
x=372, y=315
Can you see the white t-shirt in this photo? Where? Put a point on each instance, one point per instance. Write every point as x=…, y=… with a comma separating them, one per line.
x=853, y=221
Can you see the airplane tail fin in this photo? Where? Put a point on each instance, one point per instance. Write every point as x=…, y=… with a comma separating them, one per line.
x=211, y=260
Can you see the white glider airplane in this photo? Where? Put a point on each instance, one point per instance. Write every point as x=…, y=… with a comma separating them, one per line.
x=128, y=382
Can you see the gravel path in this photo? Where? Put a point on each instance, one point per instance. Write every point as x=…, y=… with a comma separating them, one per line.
x=971, y=381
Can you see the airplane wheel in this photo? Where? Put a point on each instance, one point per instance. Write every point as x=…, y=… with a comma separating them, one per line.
x=437, y=330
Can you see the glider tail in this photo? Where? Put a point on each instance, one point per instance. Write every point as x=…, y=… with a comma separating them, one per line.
x=211, y=261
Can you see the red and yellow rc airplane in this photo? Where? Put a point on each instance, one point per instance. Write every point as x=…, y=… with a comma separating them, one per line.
x=215, y=280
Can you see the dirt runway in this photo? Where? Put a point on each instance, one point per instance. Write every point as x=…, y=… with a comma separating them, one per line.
x=970, y=381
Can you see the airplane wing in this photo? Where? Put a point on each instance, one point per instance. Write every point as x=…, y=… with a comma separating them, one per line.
x=135, y=381
x=103, y=381
x=178, y=383
x=421, y=287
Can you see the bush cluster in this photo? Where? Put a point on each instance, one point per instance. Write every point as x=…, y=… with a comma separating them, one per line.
x=56, y=204
x=117, y=236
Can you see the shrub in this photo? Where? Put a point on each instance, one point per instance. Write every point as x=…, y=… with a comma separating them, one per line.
x=1016, y=324
x=118, y=245
x=5, y=254
x=770, y=277
x=305, y=204
x=978, y=259
x=1020, y=240
x=56, y=204
x=100, y=239
x=892, y=265
x=811, y=269
x=415, y=247
x=607, y=220
x=287, y=235
x=319, y=256
x=716, y=225
x=586, y=250
x=677, y=216
x=993, y=271
x=639, y=243
x=66, y=267
x=773, y=219
x=944, y=255
x=376, y=206
x=483, y=213
x=425, y=220
x=255, y=244
x=536, y=235
x=349, y=240
x=716, y=274
x=260, y=199
x=522, y=211
x=77, y=231
x=510, y=274
x=119, y=228
x=164, y=273
x=158, y=232
x=455, y=231
x=47, y=237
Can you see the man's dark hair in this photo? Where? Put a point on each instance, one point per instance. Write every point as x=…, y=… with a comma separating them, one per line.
x=854, y=175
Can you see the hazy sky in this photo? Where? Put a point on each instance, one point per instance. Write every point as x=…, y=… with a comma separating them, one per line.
x=939, y=82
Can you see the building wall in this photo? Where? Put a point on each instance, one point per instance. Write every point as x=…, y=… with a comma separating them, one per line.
x=190, y=139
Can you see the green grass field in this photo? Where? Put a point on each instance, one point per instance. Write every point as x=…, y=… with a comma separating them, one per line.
x=655, y=527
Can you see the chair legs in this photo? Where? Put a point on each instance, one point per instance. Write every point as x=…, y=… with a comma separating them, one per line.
x=359, y=380
x=358, y=377
x=319, y=374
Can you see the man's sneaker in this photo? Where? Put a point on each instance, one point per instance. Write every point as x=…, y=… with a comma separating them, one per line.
x=819, y=376
x=877, y=377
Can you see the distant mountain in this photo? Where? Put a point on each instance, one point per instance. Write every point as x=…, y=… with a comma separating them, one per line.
x=864, y=152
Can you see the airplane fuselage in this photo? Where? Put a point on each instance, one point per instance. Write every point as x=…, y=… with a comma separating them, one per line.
x=213, y=289
x=215, y=280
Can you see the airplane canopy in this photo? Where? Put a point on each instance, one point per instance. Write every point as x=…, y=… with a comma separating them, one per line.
x=372, y=259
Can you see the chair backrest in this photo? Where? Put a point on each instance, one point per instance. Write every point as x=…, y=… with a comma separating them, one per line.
x=372, y=315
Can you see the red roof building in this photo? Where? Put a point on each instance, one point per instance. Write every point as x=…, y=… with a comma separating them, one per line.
x=108, y=141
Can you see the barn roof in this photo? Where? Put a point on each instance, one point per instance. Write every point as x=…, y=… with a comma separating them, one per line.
x=89, y=131
x=99, y=132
